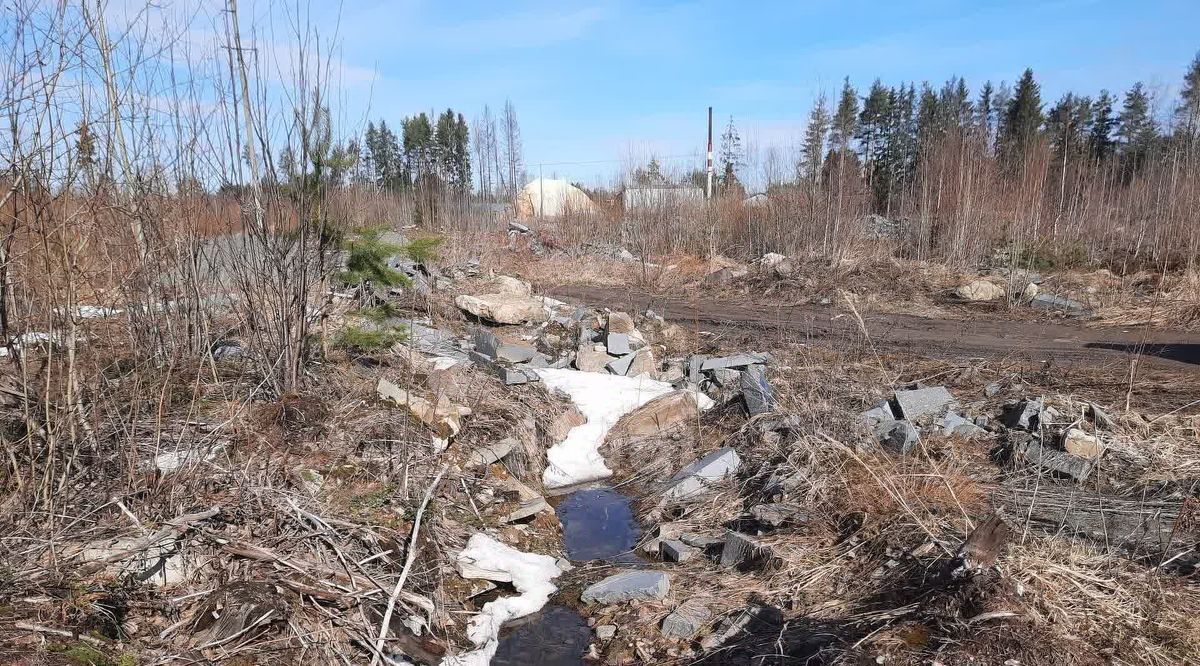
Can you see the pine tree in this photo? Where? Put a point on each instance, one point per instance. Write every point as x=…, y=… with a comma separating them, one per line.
x=462, y=161
x=1136, y=128
x=930, y=117
x=1188, y=112
x=1022, y=118
x=731, y=153
x=1067, y=123
x=813, y=150
x=845, y=120
x=1103, y=123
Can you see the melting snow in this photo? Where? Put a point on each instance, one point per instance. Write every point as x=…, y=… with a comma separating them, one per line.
x=530, y=573
x=603, y=399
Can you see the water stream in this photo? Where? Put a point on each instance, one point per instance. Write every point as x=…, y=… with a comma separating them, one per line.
x=598, y=524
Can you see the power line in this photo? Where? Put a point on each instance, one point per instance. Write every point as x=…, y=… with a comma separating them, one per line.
x=656, y=157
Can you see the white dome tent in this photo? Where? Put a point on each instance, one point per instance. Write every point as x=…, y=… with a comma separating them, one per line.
x=545, y=197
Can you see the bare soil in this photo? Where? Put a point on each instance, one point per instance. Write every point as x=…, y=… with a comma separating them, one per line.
x=1057, y=340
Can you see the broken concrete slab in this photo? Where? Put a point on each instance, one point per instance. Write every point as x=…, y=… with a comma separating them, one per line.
x=517, y=353
x=695, y=477
x=628, y=585
x=1054, y=302
x=899, y=436
x=490, y=453
x=486, y=342
x=621, y=365
x=917, y=403
x=736, y=361
x=511, y=376
x=1038, y=455
x=674, y=550
x=877, y=414
x=757, y=391
x=695, y=365
x=956, y=424
x=687, y=620
x=618, y=344
x=777, y=515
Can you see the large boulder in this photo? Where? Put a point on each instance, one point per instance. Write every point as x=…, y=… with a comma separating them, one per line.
x=980, y=290
x=503, y=308
x=628, y=585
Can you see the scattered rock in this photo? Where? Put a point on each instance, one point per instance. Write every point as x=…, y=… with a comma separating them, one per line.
x=445, y=418
x=918, y=403
x=1023, y=415
x=628, y=585
x=687, y=620
x=724, y=276
x=642, y=363
x=744, y=551
x=1079, y=443
x=772, y=259
x=674, y=550
x=737, y=361
x=619, y=322
x=1100, y=417
x=592, y=358
x=980, y=290
x=877, y=414
x=606, y=631
x=618, y=344
x=1053, y=302
x=900, y=436
x=1037, y=455
x=692, y=479
x=530, y=507
x=992, y=390
x=227, y=349
x=956, y=424
x=757, y=391
x=695, y=368
x=662, y=414
x=776, y=515
x=1030, y=292
x=490, y=453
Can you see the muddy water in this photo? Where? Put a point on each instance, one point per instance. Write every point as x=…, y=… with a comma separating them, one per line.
x=598, y=524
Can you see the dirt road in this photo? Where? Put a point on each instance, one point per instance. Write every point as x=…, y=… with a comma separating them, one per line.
x=1062, y=341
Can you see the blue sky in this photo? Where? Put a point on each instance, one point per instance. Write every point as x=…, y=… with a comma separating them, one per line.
x=609, y=80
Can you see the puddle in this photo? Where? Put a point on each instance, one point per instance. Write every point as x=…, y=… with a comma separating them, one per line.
x=556, y=636
x=598, y=524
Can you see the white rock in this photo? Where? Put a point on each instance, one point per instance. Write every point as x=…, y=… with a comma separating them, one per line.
x=980, y=290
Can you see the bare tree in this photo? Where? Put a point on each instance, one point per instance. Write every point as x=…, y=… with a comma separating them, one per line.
x=513, y=157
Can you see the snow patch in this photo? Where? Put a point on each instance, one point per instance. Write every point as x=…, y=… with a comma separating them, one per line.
x=530, y=573
x=603, y=399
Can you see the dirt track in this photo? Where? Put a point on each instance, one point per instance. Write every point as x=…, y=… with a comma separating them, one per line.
x=1061, y=341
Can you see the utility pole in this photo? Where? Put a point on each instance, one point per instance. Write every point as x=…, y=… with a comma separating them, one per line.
x=709, y=165
x=541, y=194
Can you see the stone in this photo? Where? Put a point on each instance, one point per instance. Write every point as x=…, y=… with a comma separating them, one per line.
x=517, y=353
x=628, y=585
x=564, y=422
x=1079, y=443
x=505, y=284
x=503, y=308
x=1030, y=292
x=1101, y=418
x=737, y=361
x=227, y=349
x=956, y=424
x=641, y=364
x=899, y=436
x=512, y=376
x=444, y=417
x=662, y=414
x=674, y=550
x=619, y=322
x=701, y=541
x=724, y=276
x=518, y=227
x=621, y=365
x=526, y=509
x=757, y=391
x=980, y=290
x=590, y=359
x=743, y=551
x=726, y=377
x=606, y=631
x=695, y=368
x=687, y=620
x=877, y=414
x=917, y=403
x=618, y=344
x=486, y=342
x=692, y=479
x=672, y=373
x=1038, y=455
x=1054, y=302
x=776, y=515
x=1023, y=415
x=490, y=453
x=771, y=259
x=992, y=390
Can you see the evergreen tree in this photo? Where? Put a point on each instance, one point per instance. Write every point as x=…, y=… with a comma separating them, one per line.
x=462, y=161
x=1103, y=123
x=1067, y=124
x=1022, y=118
x=419, y=155
x=985, y=113
x=845, y=120
x=870, y=123
x=930, y=117
x=1188, y=112
x=954, y=103
x=813, y=150
x=1136, y=128
x=731, y=153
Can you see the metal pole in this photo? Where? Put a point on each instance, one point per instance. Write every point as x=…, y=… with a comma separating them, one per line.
x=709, y=165
x=541, y=194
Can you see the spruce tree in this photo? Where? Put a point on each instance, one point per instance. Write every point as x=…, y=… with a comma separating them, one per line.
x=731, y=153
x=870, y=123
x=813, y=150
x=1103, y=123
x=1136, y=128
x=1022, y=118
x=845, y=120
x=1188, y=112
x=985, y=113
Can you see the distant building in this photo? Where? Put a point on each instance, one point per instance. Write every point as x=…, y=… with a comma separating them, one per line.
x=662, y=196
x=545, y=197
